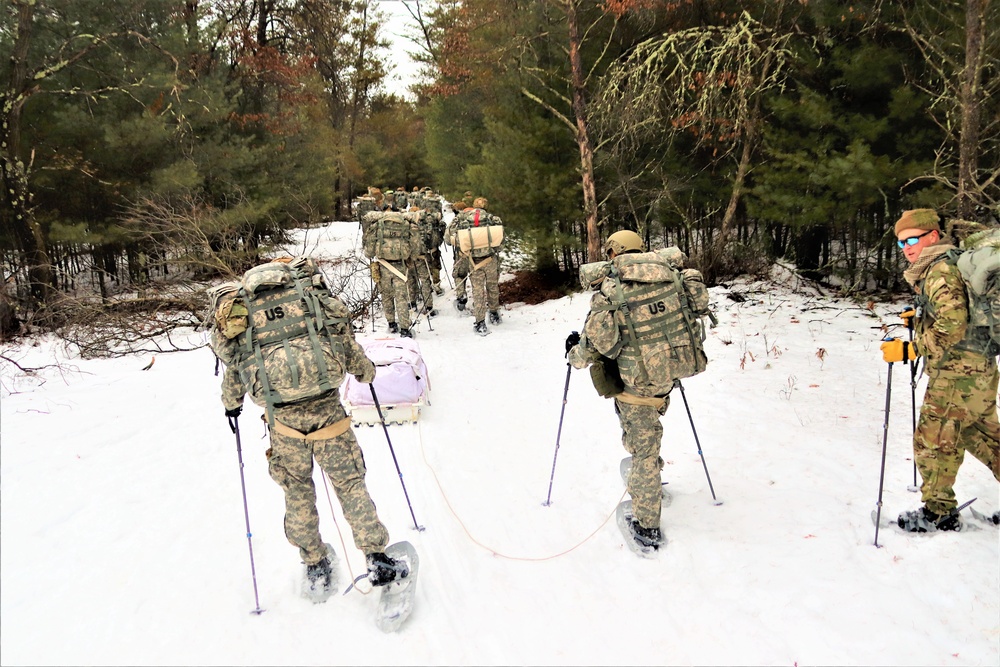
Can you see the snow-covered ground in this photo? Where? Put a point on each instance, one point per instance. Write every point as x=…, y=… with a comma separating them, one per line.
x=123, y=536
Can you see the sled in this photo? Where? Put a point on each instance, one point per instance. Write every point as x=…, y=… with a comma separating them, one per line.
x=401, y=383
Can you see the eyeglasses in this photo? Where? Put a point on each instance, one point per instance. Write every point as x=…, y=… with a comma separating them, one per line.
x=912, y=241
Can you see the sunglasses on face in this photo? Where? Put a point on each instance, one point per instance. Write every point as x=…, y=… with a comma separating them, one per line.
x=912, y=241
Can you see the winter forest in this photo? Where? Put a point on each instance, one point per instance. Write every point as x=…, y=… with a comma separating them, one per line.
x=151, y=145
x=152, y=149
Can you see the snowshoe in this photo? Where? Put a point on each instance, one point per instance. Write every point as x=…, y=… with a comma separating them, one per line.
x=320, y=578
x=645, y=542
x=494, y=317
x=396, y=599
x=406, y=333
x=393, y=327
x=923, y=520
x=480, y=328
x=988, y=519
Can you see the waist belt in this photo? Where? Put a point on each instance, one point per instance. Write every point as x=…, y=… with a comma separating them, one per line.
x=326, y=433
x=632, y=399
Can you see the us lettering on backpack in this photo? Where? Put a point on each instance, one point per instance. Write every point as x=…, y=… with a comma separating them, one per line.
x=291, y=347
x=647, y=317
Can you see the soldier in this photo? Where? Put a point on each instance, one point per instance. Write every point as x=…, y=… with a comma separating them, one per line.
x=402, y=199
x=642, y=326
x=392, y=239
x=317, y=427
x=959, y=412
x=432, y=204
x=366, y=204
x=415, y=198
x=419, y=272
x=461, y=266
x=483, y=263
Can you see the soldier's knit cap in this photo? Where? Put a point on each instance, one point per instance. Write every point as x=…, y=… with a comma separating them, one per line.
x=919, y=218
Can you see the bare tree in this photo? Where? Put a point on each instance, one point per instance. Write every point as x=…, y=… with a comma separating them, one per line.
x=964, y=85
x=707, y=82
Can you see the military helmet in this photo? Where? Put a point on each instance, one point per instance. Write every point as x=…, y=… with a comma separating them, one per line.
x=480, y=202
x=623, y=241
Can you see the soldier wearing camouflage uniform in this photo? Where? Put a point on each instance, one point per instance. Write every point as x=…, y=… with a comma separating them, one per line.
x=484, y=269
x=645, y=367
x=959, y=412
x=391, y=252
x=461, y=266
x=366, y=204
x=318, y=428
x=419, y=271
x=432, y=204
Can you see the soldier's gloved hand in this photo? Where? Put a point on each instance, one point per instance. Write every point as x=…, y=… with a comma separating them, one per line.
x=907, y=317
x=234, y=412
x=368, y=376
x=572, y=341
x=894, y=350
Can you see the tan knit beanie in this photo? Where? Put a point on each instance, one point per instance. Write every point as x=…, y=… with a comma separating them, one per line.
x=919, y=218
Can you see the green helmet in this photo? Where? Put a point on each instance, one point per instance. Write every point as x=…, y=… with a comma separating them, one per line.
x=623, y=241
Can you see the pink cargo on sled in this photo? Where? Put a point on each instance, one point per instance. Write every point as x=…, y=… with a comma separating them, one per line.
x=400, y=383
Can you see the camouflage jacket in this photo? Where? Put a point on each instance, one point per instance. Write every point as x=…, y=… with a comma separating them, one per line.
x=941, y=328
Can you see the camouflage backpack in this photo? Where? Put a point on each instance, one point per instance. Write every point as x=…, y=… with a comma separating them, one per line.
x=388, y=237
x=366, y=204
x=283, y=330
x=647, y=317
x=979, y=263
x=430, y=233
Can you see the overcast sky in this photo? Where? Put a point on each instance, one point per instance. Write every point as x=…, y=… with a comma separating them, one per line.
x=398, y=28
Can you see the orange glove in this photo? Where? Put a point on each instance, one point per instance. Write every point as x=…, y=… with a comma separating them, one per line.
x=907, y=317
x=894, y=350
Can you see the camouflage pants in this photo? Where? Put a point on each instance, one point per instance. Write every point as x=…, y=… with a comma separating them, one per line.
x=434, y=259
x=958, y=415
x=290, y=463
x=395, y=303
x=485, y=288
x=460, y=272
x=418, y=280
x=642, y=434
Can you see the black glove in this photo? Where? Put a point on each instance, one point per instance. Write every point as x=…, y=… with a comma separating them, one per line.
x=234, y=412
x=572, y=341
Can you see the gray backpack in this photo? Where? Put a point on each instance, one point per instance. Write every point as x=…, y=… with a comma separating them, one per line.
x=979, y=264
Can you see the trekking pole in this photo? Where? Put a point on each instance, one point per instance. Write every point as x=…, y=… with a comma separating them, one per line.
x=697, y=442
x=914, y=363
x=885, y=440
x=548, y=498
x=444, y=270
x=246, y=513
x=385, y=428
x=371, y=282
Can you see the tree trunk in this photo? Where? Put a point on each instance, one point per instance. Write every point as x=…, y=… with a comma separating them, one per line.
x=971, y=101
x=17, y=194
x=583, y=135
